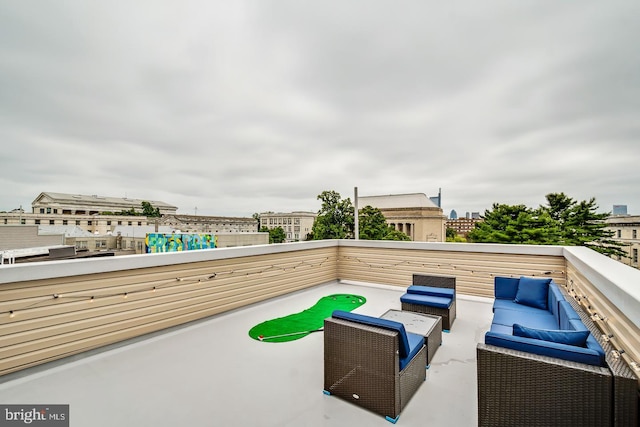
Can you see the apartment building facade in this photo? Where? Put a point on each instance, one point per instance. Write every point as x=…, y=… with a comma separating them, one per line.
x=463, y=226
x=210, y=224
x=296, y=225
x=626, y=229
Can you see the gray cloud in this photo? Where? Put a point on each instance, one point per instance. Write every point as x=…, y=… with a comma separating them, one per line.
x=241, y=107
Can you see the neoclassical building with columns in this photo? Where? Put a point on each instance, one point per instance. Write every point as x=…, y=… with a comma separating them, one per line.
x=414, y=214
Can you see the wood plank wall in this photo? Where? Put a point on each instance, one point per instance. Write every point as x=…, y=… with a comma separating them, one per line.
x=48, y=319
x=475, y=271
x=626, y=334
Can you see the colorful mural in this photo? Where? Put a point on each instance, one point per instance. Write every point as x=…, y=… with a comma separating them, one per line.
x=161, y=242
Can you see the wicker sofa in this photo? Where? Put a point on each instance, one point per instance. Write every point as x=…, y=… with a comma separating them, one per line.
x=542, y=381
x=371, y=362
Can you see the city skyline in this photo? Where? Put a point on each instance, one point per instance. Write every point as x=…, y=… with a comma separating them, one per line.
x=236, y=108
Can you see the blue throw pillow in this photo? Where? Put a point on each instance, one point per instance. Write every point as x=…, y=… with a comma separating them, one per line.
x=533, y=292
x=577, y=338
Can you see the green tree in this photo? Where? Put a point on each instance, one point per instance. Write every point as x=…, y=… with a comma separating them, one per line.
x=372, y=225
x=335, y=218
x=583, y=226
x=511, y=224
x=149, y=211
x=562, y=221
x=394, y=234
x=450, y=233
x=276, y=234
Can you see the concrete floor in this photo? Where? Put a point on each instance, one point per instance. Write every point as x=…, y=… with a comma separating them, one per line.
x=210, y=373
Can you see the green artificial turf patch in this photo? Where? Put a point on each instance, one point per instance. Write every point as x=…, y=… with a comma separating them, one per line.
x=299, y=325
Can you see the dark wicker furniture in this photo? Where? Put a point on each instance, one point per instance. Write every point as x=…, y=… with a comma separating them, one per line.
x=448, y=314
x=430, y=328
x=518, y=388
x=361, y=365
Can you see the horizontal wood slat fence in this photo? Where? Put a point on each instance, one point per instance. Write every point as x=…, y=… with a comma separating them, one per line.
x=83, y=305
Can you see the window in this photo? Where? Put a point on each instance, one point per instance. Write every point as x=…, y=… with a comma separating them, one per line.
x=89, y=222
x=108, y=222
x=77, y=222
x=23, y=221
x=119, y=222
x=634, y=233
x=52, y=222
x=37, y=222
x=48, y=210
x=41, y=210
x=619, y=234
x=81, y=244
x=65, y=222
x=139, y=223
x=5, y=220
x=101, y=244
x=635, y=256
x=129, y=223
x=55, y=211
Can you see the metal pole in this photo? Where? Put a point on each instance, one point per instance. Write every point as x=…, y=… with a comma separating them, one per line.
x=355, y=214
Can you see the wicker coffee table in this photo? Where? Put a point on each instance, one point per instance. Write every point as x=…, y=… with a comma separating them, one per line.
x=427, y=325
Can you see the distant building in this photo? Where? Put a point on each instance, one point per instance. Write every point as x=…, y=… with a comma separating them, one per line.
x=453, y=214
x=626, y=230
x=78, y=204
x=296, y=225
x=619, y=210
x=210, y=224
x=96, y=224
x=463, y=226
x=414, y=214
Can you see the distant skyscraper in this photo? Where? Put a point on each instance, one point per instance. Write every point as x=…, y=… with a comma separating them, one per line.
x=619, y=209
x=453, y=214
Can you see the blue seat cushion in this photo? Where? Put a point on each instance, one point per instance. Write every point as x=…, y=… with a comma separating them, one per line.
x=407, y=343
x=429, y=300
x=508, y=304
x=431, y=290
x=415, y=344
x=546, y=348
x=541, y=320
x=565, y=314
x=578, y=338
x=533, y=292
x=554, y=298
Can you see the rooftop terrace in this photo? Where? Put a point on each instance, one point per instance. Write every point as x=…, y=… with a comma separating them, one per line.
x=163, y=339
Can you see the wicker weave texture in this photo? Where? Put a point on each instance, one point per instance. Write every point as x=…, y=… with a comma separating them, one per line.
x=448, y=315
x=625, y=383
x=522, y=389
x=361, y=365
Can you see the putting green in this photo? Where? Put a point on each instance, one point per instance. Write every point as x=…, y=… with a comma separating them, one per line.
x=299, y=325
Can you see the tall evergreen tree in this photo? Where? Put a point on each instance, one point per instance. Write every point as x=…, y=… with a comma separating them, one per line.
x=563, y=221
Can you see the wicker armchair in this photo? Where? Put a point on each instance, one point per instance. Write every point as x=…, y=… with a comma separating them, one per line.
x=362, y=366
x=448, y=314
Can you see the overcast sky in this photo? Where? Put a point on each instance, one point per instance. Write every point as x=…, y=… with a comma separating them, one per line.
x=236, y=107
